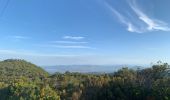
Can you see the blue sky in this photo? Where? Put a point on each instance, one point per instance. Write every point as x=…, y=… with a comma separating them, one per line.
x=54, y=32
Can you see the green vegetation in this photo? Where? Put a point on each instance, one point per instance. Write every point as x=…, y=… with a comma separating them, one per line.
x=21, y=80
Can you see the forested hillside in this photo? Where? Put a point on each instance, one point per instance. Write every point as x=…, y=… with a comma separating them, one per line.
x=15, y=69
x=21, y=80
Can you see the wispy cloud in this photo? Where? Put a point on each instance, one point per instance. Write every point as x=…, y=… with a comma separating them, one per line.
x=72, y=43
x=73, y=37
x=19, y=53
x=6, y=51
x=19, y=37
x=67, y=59
x=72, y=46
x=143, y=22
x=67, y=46
x=123, y=19
x=152, y=24
x=68, y=42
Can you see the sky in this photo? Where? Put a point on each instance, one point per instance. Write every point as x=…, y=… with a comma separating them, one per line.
x=76, y=32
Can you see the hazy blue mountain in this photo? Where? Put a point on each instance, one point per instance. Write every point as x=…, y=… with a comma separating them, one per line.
x=87, y=68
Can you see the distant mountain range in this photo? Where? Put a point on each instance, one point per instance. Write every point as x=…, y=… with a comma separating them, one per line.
x=87, y=68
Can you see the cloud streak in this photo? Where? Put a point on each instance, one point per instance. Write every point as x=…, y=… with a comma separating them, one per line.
x=19, y=53
x=152, y=24
x=140, y=21
x=123, y=19
x=72, y=46
x=68, y=42
x=73, y=42
x=67, y=46
x=73, y=37
x=67, y=59
x=19, y=37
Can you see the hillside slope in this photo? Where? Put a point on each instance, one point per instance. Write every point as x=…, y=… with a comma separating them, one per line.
x=21, y=80
x=14, y=68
